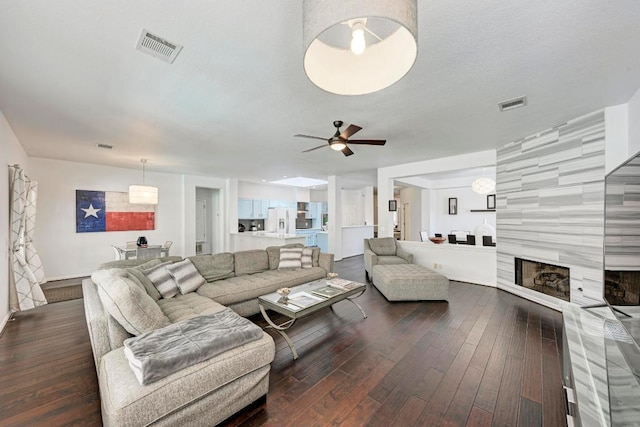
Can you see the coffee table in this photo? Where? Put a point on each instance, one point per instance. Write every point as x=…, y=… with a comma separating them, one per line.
x=303, y=302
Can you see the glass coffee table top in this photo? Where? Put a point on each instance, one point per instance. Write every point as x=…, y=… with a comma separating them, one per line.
x=306, y=299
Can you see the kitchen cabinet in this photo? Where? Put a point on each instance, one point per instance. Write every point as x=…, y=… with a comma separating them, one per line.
x=253, y=209
x=310, y=236
x=245, y=209
x=312, y=211
x=260, y=209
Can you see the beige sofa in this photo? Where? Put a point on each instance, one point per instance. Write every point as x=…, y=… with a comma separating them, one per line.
x=383, y=251
x=209, y=392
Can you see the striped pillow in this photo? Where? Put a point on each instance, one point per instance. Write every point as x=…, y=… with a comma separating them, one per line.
x=162, y=280
x=186, y=276
x=290, y=258
x=307, y=258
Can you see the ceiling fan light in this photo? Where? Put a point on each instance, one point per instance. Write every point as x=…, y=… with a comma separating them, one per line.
x=338, y=145
x=483, y=185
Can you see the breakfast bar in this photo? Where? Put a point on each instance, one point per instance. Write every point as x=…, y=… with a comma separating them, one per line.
x=262, y=240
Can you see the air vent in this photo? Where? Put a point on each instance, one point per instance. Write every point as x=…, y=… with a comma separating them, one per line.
x=157, y=46
x=513, y=103
x=105, y=146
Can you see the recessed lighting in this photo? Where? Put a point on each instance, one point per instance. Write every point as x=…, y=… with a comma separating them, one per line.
x=105, y=146
x=264, y=180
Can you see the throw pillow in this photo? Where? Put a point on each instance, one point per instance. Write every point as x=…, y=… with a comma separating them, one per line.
x=290, y=258
x=214, y=267
x=130, y=305
x=138, y=276
x=162, y=280
x=186, y=276
x=307, y=258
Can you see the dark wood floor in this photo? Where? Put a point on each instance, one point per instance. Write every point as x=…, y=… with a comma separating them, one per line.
x=484, y=358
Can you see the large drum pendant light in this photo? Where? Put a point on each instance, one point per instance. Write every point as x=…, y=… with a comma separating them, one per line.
x=359, y=47
x=143, y=194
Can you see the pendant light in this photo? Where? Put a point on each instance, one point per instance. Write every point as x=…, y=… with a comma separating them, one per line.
x=483, y=185
x=345, y=55
x=143, y=194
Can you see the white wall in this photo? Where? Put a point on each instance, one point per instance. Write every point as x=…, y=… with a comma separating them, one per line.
x=634, y=124
x=250, y=190
x=465, y=219
x=64, y=252
x=11, y=152
x=387, y=175
x=353, y=211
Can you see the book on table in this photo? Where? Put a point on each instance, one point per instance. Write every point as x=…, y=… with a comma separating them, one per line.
x=302, y=299
x=343, y=284
x=328, y=291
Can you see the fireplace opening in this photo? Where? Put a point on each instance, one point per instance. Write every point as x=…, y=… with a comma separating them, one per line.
x=549, y=279
x=622, y=287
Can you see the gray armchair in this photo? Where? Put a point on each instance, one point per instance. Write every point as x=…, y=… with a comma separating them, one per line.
x=383, y=250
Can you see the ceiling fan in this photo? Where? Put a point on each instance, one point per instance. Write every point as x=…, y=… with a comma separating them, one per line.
x=340, y=140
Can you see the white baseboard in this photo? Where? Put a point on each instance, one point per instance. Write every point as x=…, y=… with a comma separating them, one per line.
x=4, y=322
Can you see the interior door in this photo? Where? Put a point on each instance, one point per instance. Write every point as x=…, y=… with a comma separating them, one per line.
x=201, y=221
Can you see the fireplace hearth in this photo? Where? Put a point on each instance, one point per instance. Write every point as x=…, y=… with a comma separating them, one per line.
x=548, y=279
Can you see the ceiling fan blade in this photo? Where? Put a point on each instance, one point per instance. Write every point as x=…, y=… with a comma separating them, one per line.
x=368, y=141
x=315, y=148
x=347, y=151
x=310, y=136
x=349, y=131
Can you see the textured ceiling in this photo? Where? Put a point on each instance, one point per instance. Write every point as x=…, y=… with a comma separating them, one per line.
x=70, y=78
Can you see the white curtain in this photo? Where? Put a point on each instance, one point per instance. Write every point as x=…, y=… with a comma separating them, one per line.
x=27, y=272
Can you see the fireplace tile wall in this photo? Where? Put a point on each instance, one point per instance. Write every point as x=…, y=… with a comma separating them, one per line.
x=550, y=205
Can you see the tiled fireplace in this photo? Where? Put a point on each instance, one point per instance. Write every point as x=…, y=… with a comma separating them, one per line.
x=541, y=277
x=622, y=287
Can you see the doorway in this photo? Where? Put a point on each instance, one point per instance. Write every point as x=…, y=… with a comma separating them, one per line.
x=406, y=221
x=207, y=225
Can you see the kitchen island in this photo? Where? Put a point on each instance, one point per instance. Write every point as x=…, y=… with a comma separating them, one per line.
x=262, y=240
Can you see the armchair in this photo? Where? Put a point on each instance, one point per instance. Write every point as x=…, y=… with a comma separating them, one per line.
x=383, y=250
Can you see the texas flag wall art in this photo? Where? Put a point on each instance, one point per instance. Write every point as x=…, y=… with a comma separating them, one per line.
x=111, y=211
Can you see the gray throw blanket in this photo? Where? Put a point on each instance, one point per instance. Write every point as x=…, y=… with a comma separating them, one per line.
x=157, y=354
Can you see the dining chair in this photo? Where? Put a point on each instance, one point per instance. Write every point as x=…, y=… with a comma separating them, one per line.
x=166, y=246
x=119, y=252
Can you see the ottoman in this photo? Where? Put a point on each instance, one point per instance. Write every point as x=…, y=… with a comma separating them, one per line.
x=410, y=282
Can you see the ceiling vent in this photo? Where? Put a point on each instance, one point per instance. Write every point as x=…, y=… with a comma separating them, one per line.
x=513, y=103
x=157, y=46
x=105, y=146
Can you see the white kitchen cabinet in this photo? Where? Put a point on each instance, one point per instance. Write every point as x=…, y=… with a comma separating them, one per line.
x=253, y=209
x=260, y=209
x=245, y=209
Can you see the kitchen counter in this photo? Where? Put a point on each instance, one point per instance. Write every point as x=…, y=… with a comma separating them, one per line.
x=262, y=240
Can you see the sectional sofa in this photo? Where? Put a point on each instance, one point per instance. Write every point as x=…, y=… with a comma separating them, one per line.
x=121, y=302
